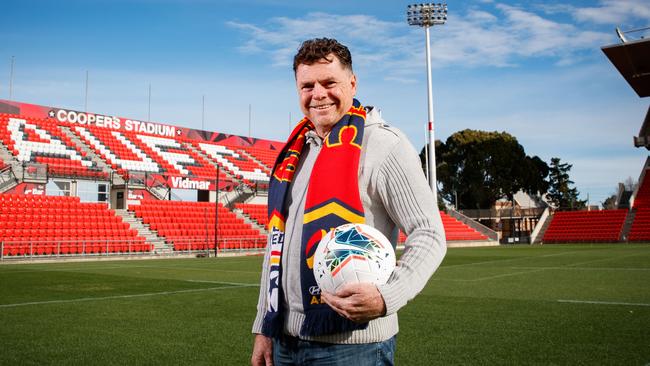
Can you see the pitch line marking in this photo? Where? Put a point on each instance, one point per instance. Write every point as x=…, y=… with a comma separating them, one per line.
x=569, y=266
x=73, y=269
x=602, y=302
x=601, y=260
x=488, y=277
x=209, y=269
x=511, y=259
x=226, y=283
x=95, y=270
x=589, y=268
x=150, y=294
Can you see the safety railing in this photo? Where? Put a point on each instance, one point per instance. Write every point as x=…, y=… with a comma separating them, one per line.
x=33, y=249
x=30, y=248
x=230, y=244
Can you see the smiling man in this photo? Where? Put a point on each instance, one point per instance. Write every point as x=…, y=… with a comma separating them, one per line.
x=342, y=163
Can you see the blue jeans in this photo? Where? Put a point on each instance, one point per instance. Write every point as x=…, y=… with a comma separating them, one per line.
x=293, y=351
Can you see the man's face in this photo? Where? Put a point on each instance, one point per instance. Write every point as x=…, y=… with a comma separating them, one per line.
x=326, y=90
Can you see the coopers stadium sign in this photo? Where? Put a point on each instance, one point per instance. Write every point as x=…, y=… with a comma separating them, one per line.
x=115, y=123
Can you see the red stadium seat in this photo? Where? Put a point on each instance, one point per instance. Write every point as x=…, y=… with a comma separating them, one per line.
x=585, y=226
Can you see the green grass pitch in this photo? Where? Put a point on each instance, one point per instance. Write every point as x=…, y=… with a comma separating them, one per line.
x=559, y=304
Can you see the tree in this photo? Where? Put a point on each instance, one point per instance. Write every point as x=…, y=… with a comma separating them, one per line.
x=476, y=168
x=560, y=191
x=630, y=184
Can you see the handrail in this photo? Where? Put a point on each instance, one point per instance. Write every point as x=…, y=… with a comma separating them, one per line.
x=540, y=224
x=501, y=213
x=640, y=182
x=493, y=235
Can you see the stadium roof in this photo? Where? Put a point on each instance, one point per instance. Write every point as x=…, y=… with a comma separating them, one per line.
x=632, y=59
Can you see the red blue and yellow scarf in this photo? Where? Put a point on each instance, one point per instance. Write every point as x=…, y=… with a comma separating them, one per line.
x=332, y=200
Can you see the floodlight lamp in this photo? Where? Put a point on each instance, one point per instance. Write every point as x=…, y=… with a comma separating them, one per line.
x=426, y=14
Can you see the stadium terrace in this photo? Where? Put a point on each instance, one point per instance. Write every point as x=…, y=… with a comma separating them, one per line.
x=82, y=184
x=78, y=184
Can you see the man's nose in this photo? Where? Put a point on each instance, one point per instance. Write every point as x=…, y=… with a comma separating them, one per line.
x=319, y=91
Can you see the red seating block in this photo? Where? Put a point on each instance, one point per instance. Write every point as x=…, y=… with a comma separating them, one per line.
x=585, y=226
x=454, y=230
x=53, y=225
x=191, y=225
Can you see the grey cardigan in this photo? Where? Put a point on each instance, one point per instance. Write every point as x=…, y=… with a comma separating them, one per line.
x=395, y=195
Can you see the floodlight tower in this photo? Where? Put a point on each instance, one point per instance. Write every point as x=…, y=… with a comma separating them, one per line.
x=426, y=16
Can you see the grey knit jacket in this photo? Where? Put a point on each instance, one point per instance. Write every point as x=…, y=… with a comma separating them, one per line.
x=395, y=195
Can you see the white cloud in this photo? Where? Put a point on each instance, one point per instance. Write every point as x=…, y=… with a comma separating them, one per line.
x=498, y=35
x=614, y=12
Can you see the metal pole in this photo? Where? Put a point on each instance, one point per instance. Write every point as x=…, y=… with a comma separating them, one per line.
x=216, y=214
x=11, y=79
x=149, y=110
x=86, y=98
x=432, y=141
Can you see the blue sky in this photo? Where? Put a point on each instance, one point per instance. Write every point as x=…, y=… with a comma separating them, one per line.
x=530, y=68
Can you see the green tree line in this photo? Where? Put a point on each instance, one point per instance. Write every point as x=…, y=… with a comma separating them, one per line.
x=477, y=168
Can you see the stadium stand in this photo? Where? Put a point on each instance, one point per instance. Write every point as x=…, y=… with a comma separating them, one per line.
x=458, y=231
x=640, y=229
x=39, y=140
x=126, y=151
x=238, y=164
x=629, y=57
x=191, y=225
x=642, y=198
x=266, y=157
x=127, y=170
x=56, y=225
x=585, y=226
x=454, y=230
x=256, y=212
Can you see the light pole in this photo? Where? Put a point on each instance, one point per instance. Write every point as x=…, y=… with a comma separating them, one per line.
x=428, y=15
x=86, y=96
x=11, y=79
x=216, y=214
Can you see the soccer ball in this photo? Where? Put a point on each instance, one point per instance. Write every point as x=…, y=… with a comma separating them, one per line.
x=353, y=253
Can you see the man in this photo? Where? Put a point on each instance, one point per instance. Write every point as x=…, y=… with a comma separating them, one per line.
x=341, y=164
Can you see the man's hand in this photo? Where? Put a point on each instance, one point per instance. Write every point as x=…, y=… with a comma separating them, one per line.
x=262, y=351
x=359, y=302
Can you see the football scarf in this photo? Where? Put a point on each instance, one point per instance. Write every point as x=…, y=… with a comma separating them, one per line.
x=332, y=200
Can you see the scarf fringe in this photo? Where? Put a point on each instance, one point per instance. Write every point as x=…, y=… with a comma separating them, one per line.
x=273, y=324
x=325, y=321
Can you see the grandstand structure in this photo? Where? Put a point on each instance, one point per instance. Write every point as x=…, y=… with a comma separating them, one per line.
x=75, y=183
x=630, y=221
